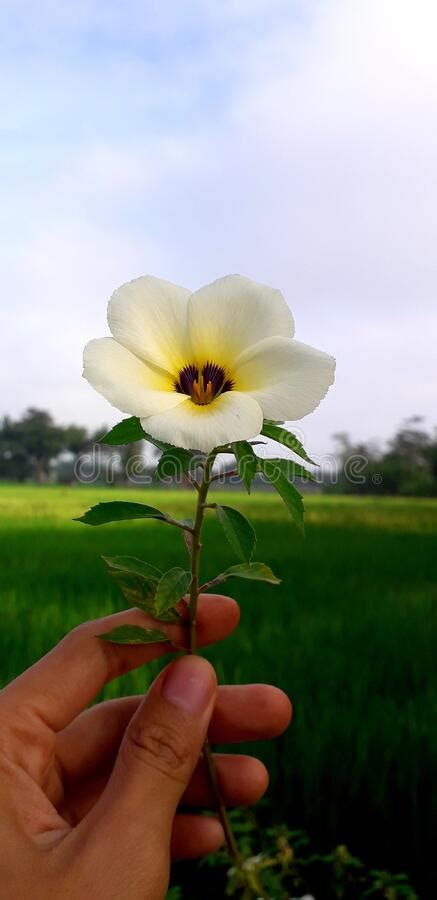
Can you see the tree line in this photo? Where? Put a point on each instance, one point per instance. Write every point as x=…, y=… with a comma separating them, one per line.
x=29, y=445
x=405, y=466
x=35, y=448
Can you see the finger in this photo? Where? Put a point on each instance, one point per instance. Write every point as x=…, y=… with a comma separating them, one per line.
x=61, y=684
x=156, y=760
x=91, y=742
x=243, y=781
x=248, y=712
x=195, y=836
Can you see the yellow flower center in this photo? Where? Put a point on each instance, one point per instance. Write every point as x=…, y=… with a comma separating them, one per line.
x=203, y=383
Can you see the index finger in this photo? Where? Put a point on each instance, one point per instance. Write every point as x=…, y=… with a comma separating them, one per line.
x=60, y=685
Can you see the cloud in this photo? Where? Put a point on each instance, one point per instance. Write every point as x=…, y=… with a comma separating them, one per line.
x=295, y=143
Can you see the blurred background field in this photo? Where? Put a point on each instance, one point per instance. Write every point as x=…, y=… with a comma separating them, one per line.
x=349, y=634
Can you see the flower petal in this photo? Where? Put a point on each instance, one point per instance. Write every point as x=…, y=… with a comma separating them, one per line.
x=286, y=377
x=233, y=313
x=149, y=317
x=231, y=417
x=126, y=381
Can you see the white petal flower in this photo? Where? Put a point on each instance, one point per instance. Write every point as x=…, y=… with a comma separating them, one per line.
x=288, y=378
x=233, y=313
x=204, y=369
x=227, y=418
x=127, y=382
x=148, y=316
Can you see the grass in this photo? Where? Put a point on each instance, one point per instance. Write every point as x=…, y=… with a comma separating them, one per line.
x=348, y=634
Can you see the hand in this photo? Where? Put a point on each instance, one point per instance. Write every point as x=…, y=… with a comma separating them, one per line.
x=89, y=799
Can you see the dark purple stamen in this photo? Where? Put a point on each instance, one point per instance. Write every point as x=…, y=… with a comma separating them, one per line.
x=185, y=379
x=203, y=388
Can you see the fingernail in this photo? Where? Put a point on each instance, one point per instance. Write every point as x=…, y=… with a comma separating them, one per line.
x=189, y=684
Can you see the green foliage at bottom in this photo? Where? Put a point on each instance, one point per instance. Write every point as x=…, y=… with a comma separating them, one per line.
x=282, y=863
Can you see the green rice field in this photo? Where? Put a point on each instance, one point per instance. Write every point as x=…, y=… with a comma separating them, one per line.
x=350, y=634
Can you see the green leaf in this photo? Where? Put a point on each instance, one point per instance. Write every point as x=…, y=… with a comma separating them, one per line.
x=174, y=462
x=138, y=591
x=136, y=579
x=121, y=510
x=134, y=566
x=133, y=634
x=129, y=430
x=239, y=532
x=247, y=462
x=255, y=571
x=126, y=432
x=282, y=436
x=291, y=497
x=138, y=582
x=171, y=588
x=161, y=445
x=292, y=469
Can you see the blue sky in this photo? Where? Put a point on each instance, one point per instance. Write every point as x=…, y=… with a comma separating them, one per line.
x=291, y=142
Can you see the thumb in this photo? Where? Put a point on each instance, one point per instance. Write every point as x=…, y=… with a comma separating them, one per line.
x=158, y=754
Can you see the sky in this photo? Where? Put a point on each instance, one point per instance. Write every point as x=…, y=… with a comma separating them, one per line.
x=293, y=142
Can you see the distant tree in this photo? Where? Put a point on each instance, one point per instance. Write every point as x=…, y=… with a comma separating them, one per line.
x=75, y=438
x=409, y=454
x=15, y=464
x=28, y=444
x=90, y=459
x=41, y=439
x=408, y=465
x=34, y=445
x=431, y=456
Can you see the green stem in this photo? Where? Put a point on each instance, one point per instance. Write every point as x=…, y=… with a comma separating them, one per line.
x=202, y=494
x=220, y=806
x=257, y=888
x=194, y=596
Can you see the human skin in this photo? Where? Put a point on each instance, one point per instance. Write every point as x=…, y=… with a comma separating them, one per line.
x=95, y=802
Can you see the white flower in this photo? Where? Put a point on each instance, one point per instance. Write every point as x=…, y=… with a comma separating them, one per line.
x=203, y=369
